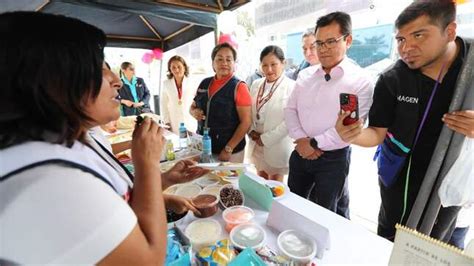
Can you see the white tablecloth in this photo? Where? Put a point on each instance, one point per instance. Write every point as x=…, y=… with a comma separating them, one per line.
x=350, y=242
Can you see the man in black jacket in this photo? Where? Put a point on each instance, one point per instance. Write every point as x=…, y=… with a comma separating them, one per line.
x=410, y=107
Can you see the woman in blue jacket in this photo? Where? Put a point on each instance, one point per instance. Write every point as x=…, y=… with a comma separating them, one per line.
x=134, y=94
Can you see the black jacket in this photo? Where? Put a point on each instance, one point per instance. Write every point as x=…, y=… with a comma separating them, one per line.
x=143, y=96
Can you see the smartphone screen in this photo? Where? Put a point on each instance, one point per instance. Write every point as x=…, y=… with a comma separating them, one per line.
x=349, y=102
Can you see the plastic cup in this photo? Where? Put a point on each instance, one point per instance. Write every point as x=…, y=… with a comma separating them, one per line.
x=297, y=246
x=248, y=236
x=206, y=204
x=203, y=233
x=236, y=215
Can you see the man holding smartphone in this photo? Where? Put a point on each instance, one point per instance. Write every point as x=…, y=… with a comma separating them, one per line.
x=411, y=106
x=321, y=159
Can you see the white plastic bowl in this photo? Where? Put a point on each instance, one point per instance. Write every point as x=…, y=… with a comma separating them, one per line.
x=297, y=246
x=213, y=190
x=207, y=180
x=172, y=189
x=274, y=183
x=203, y=233
x=189, y=190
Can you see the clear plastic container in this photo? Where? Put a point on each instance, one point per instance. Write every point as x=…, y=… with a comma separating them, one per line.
x=248, y=236
x=297, y=246
x=237, y=215
x=230, y=196
x=206, y=205
x=188, y=190
x=203, y=233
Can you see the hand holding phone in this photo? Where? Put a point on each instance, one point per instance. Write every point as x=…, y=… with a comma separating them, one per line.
x=349, y=103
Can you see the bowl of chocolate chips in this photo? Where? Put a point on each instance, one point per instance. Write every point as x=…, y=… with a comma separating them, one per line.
x=174, y=218
x=230, y=196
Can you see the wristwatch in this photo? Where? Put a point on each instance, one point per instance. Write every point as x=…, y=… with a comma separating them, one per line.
x=228, y=149
x=313, y=143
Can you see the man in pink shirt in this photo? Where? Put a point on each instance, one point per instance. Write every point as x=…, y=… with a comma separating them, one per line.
x=321, y=159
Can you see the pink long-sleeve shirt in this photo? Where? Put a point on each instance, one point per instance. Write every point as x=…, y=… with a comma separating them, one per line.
x=314, y=104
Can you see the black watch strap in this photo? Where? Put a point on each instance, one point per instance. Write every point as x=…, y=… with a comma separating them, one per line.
x=313, y=143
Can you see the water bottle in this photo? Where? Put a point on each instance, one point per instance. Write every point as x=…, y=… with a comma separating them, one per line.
x=183, y=136
x=206, y=156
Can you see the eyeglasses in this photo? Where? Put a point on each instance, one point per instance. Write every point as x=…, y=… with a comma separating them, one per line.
x=330, y=43
x=131, y=69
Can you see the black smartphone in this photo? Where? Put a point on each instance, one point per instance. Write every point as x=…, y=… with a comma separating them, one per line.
x=349, y=102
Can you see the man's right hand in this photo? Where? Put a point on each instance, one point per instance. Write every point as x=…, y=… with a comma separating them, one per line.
x=350, y=132
x=198, y=114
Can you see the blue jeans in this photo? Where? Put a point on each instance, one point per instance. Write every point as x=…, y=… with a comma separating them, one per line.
x=323, y=181
x=458, y=236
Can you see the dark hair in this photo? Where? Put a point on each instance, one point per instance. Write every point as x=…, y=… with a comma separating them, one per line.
x=341, y=18
x=273, y=49
x=47, y=76
x=222, y=46
x=179, y=59
x=124, y=66
x=440, y=12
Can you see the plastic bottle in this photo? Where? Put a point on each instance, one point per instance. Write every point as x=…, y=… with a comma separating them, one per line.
x=183, y=136
x=206, y=156
x=170, y=151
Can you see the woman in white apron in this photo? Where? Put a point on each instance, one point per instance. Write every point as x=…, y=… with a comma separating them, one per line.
x=177, y=96
x=270, y=146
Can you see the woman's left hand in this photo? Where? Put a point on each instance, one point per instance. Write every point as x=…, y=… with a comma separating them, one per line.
x=224, y=156
x=140, y=104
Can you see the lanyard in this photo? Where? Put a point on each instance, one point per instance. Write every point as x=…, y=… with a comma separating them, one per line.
x=261, y=101
x=428, y=106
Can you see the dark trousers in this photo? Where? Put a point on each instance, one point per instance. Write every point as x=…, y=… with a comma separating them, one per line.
x=323, y=181
x=391, y=210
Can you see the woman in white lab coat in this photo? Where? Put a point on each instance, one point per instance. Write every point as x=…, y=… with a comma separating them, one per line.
x=177, y=95
x=270, y=145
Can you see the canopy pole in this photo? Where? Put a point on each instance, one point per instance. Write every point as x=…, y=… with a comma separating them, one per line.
x=216, y=36
x=39, y=8
x=161, y=82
